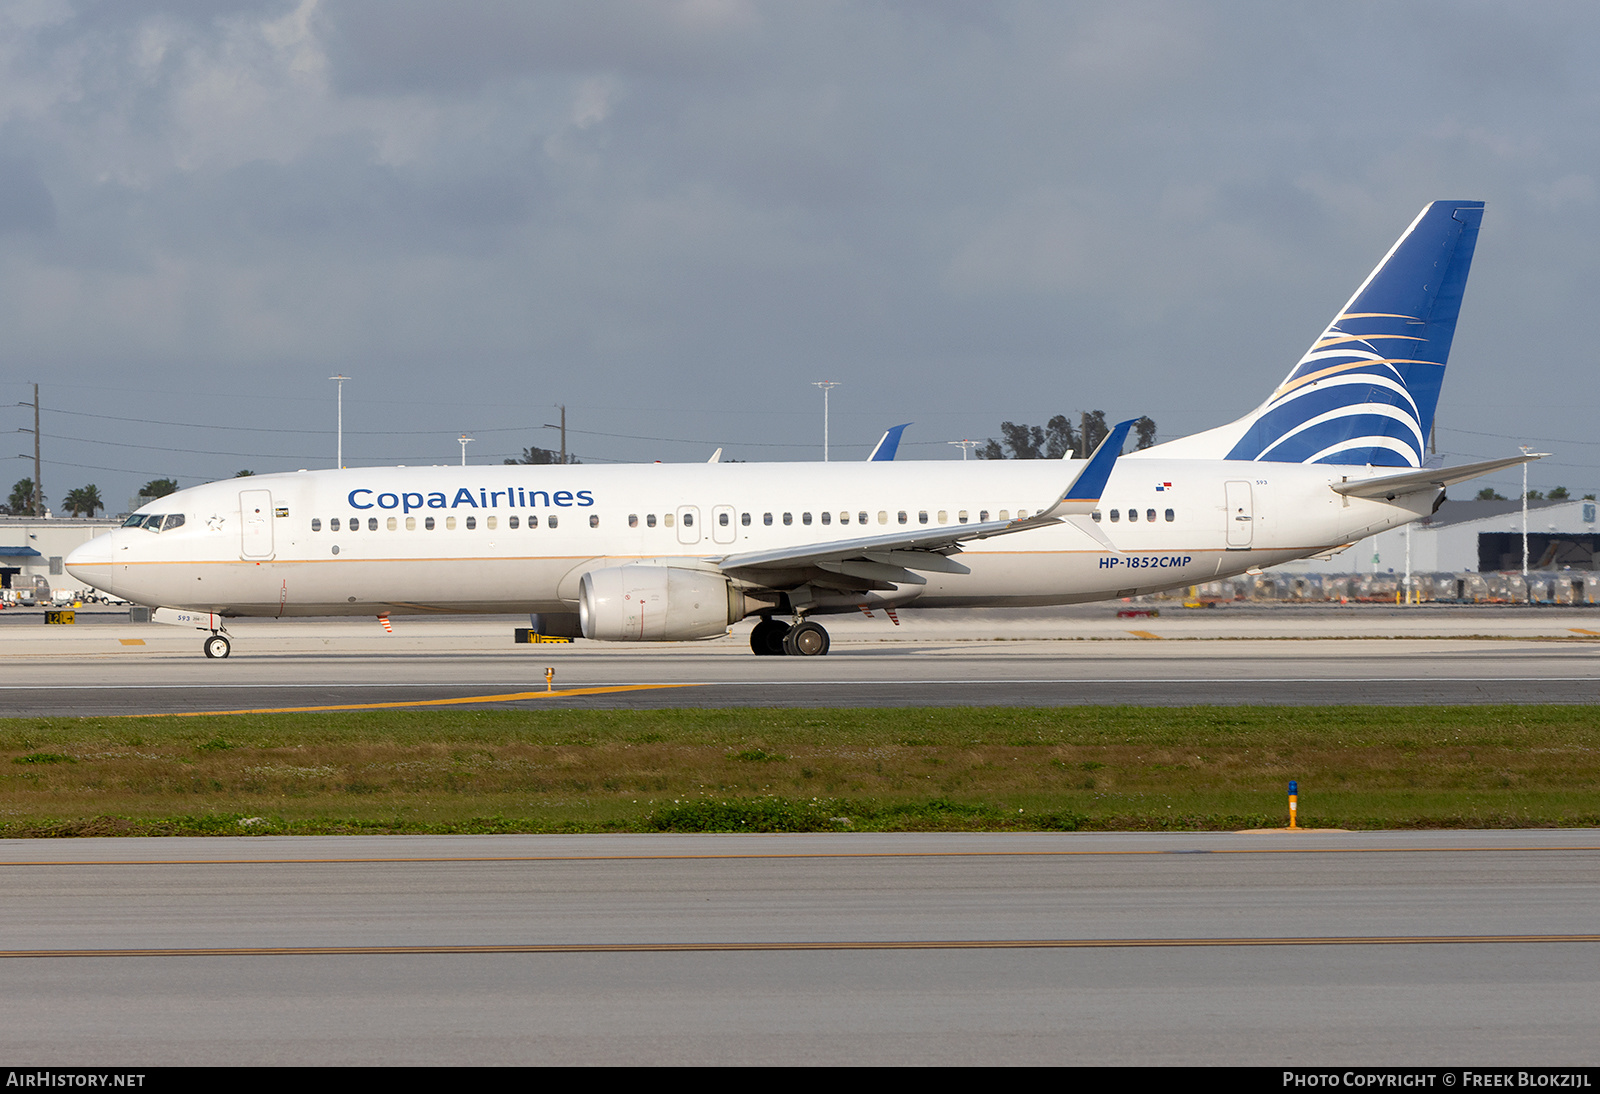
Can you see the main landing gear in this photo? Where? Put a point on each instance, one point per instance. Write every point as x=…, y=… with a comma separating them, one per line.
x=217, y=645
x=772, y=638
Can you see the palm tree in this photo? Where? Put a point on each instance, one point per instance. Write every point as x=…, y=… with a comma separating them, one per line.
x=83, y=501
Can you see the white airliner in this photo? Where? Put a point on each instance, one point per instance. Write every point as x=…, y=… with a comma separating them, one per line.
x=669, y=552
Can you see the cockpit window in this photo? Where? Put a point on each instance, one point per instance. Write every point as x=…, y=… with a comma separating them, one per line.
x=152, y=523
x=174, y=520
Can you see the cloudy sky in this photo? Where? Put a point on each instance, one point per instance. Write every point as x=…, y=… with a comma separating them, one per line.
x=673, y=217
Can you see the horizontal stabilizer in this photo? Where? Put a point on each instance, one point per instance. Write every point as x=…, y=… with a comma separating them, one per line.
x=1393, y=486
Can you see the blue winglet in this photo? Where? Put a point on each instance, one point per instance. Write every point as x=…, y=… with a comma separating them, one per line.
x=888, y=444
x=1091, y=481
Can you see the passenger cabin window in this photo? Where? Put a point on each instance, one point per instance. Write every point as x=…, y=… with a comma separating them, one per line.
x=633, y=520
x=316, y=524
x=844, y=518
x=1116, y=515
x=594, y=520
x=1133, y=515
x=449, y=524
x=472, y=523
x=827, y=517
x=983, y=515
x=333, y=525
x=902, y=516
x=554, y=523
x=961, y=517
x=411, y=524
x=861, y=517
x=883, y=516
x=372, y=524
x=788, y=518
x=944, y=518
x=722, y=519
x=922, y=517
x=489, y=523
x=1005, y=514
x=427, y=523
x=805, y=518
x=1150, y=515
x=512, y=524
x=393, y=524
x=766, y=518
x=1095, y=516
x=649, y=520
x=533, y=521
x=1171, y=516
x=744, y=519
x=666, y=520
x=688, y=520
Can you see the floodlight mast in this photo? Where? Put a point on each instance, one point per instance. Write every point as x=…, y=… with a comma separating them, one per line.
x=826, y=386
x=339, y=453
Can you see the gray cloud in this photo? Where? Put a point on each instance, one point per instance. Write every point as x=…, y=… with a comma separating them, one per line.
x=672, y=217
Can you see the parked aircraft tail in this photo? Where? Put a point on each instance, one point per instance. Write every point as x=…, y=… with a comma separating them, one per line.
x=1366, y=390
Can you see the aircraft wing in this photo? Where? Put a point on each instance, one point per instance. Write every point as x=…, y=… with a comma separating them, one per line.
x=892, y=558
x=1394, y=486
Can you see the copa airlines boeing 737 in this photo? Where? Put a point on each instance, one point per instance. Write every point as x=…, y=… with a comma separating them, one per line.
x=673, y=552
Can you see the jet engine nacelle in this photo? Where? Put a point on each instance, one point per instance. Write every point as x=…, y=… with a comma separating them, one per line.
x=646, y=603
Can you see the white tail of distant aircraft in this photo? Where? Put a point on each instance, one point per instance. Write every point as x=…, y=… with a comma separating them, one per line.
x=675, y=552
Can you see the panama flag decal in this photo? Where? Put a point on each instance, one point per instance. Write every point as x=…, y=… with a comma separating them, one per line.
x=1163, y=486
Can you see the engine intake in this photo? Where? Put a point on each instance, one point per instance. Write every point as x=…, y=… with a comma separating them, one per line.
x=647, y=603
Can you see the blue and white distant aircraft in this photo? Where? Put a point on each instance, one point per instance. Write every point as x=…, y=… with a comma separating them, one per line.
x=669, y=552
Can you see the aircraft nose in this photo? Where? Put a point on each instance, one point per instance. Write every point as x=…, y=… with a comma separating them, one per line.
x=90, y=560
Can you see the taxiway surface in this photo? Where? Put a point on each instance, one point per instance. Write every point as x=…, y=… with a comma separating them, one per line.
x=1449, y=948
x=1286, y=654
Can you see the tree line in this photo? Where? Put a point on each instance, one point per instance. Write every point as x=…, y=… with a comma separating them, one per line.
x=84, y=501
x=1056, y=438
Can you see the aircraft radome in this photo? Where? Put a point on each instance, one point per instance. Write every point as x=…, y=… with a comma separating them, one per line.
x=670, y=552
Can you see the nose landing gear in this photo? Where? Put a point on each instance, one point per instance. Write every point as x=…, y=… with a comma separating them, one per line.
x=217, y=645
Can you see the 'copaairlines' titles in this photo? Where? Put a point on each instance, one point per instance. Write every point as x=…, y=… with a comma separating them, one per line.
x=485, y=499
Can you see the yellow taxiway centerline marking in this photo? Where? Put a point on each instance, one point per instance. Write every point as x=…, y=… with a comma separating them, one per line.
x=726, y=947
x=1144, y=634
x=1582, y=630
x=510, y=697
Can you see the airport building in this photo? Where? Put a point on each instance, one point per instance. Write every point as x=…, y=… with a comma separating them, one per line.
x=33, y=549
x=1468, y=550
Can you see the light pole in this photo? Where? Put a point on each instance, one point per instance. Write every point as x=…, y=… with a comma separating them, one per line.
x=464, y=439
x=966, y=446
x=1525, y=451
x=826, y=386
x=341, y=378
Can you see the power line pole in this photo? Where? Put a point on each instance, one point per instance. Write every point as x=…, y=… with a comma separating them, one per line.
x=38, y=491
x=826, y=386
x=39, y=480
x=563, y=428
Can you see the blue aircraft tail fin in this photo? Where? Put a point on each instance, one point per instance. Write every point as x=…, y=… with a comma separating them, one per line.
x=1366, y=390
x=888, y=444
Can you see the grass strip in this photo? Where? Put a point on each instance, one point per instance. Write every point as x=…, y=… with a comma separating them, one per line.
x=762, y=770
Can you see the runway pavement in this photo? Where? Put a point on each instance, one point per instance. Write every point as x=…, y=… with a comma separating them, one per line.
x=1285, y=654
x=1441, y=948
